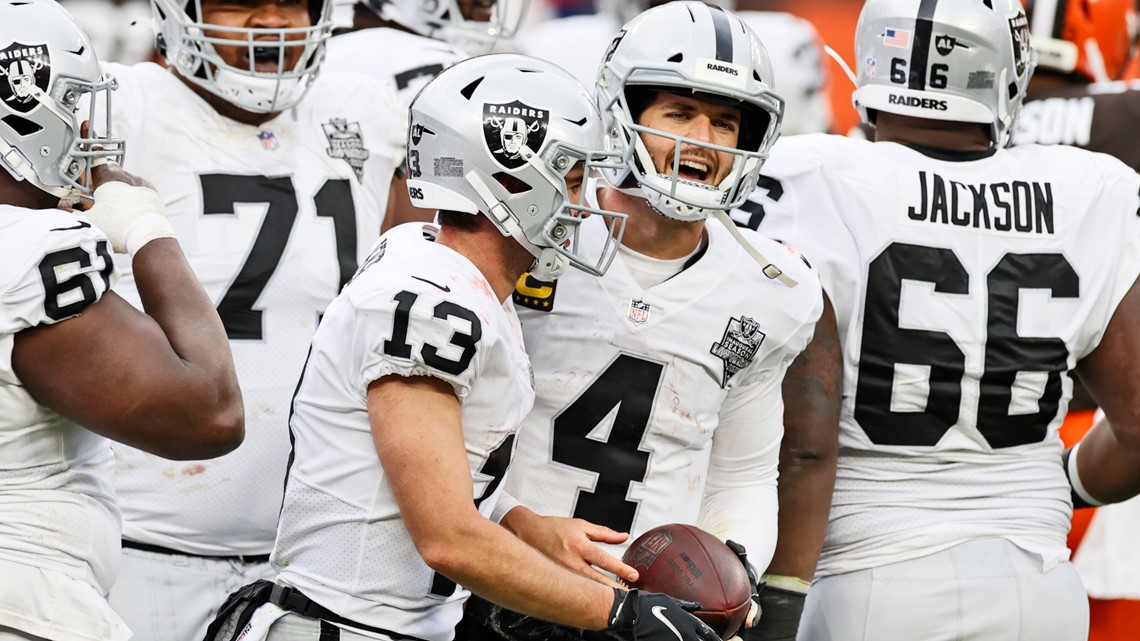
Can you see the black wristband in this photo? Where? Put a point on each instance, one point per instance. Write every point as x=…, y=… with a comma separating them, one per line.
x=780, y=618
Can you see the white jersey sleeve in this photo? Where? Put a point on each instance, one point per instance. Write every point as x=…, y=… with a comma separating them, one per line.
x=59, y=526
x=415, y=309
x=273, y=219
x=966, y=287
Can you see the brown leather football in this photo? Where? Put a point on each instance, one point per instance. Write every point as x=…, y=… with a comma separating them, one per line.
x=688, y=563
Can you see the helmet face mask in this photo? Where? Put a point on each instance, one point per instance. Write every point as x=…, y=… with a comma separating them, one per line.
x=1093, y=39
x=538, y=127
x=191, y=46
x=445, y=20
x=709, y=55
x=968, y=62
x=51, y=85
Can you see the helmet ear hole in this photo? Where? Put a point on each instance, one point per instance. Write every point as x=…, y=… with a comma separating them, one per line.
x=22, y=126
x=511, y=183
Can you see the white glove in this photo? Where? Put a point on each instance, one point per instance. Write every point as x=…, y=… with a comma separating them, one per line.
x=130, y=215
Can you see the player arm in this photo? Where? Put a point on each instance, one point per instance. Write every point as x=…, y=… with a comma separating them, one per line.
x=162, y=381
x=813, y=394
x=1106, y=465
x=417, y=429
x=570, y=543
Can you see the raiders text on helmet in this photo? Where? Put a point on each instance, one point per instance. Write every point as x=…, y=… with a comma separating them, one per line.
x=444, y=20
x=188, y=44
x=699, y=50
x=48, y=70
x=1094, y=38
x=538, y=123
x=958, y=60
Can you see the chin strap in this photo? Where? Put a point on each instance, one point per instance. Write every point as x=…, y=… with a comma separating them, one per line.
x=549, y=264
x=770, y=270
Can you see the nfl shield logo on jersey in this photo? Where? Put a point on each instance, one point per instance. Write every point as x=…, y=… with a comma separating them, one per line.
x=638, y=311
x=738, y=347
x=23, y=68
x=511, y=129
x=347, y=143
x=268, y=140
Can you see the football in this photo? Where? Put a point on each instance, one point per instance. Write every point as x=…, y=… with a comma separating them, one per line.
x=688, y=563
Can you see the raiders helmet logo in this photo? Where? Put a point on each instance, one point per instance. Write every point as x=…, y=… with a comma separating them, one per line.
x=514, y=132
x=22, y=69
x=1019, y=32
x=945, y=44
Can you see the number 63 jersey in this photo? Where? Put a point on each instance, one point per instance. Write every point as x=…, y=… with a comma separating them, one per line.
x=965, y=287
x=662, y=404
x=273, y=219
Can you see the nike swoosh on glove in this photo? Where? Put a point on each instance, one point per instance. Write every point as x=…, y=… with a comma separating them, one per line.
x=650, y=616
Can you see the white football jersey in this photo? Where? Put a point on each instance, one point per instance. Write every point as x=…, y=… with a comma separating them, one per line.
x=638, y=419
x=59, y=526
x=415, y=309
x=965, y=289
x=404, y=60
x=800, y=68
x=577, y=43
x=273, y=220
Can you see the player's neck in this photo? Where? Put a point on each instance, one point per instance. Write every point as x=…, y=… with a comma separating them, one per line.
x=500, y=259
x=21, y=193
x=939, y=134
x=648, y=232
x=227, y=109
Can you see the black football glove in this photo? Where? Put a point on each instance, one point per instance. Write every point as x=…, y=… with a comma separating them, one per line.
x=650, y=616
x=753, y=584
x=783, y=601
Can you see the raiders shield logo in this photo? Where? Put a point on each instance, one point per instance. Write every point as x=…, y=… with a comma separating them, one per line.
x=22, y=69
x=945, y=44
x=1019, y=32
x=514, y=132
x=346, y=142
x=738, y=347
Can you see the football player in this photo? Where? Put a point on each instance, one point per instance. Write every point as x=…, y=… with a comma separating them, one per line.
x=276, y=182
x=405, y=419
x=77, y=363
x=968, y=280
x=659, y=385
x=1076, y=96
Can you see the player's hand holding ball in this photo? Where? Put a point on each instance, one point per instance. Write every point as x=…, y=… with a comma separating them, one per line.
x=694, y=566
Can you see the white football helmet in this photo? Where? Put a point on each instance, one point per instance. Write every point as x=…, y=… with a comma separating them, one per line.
x=536, y=122
x=965, y=61
x=626, y=10
x=444, y=20
x=48, y=71
x=699, y=50
x=183, y=40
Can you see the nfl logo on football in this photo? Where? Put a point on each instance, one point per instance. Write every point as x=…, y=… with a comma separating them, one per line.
x=638, y=311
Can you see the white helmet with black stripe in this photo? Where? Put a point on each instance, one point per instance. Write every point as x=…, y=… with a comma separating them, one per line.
x=626, y=10
x=699, y=50
x=956, y=60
